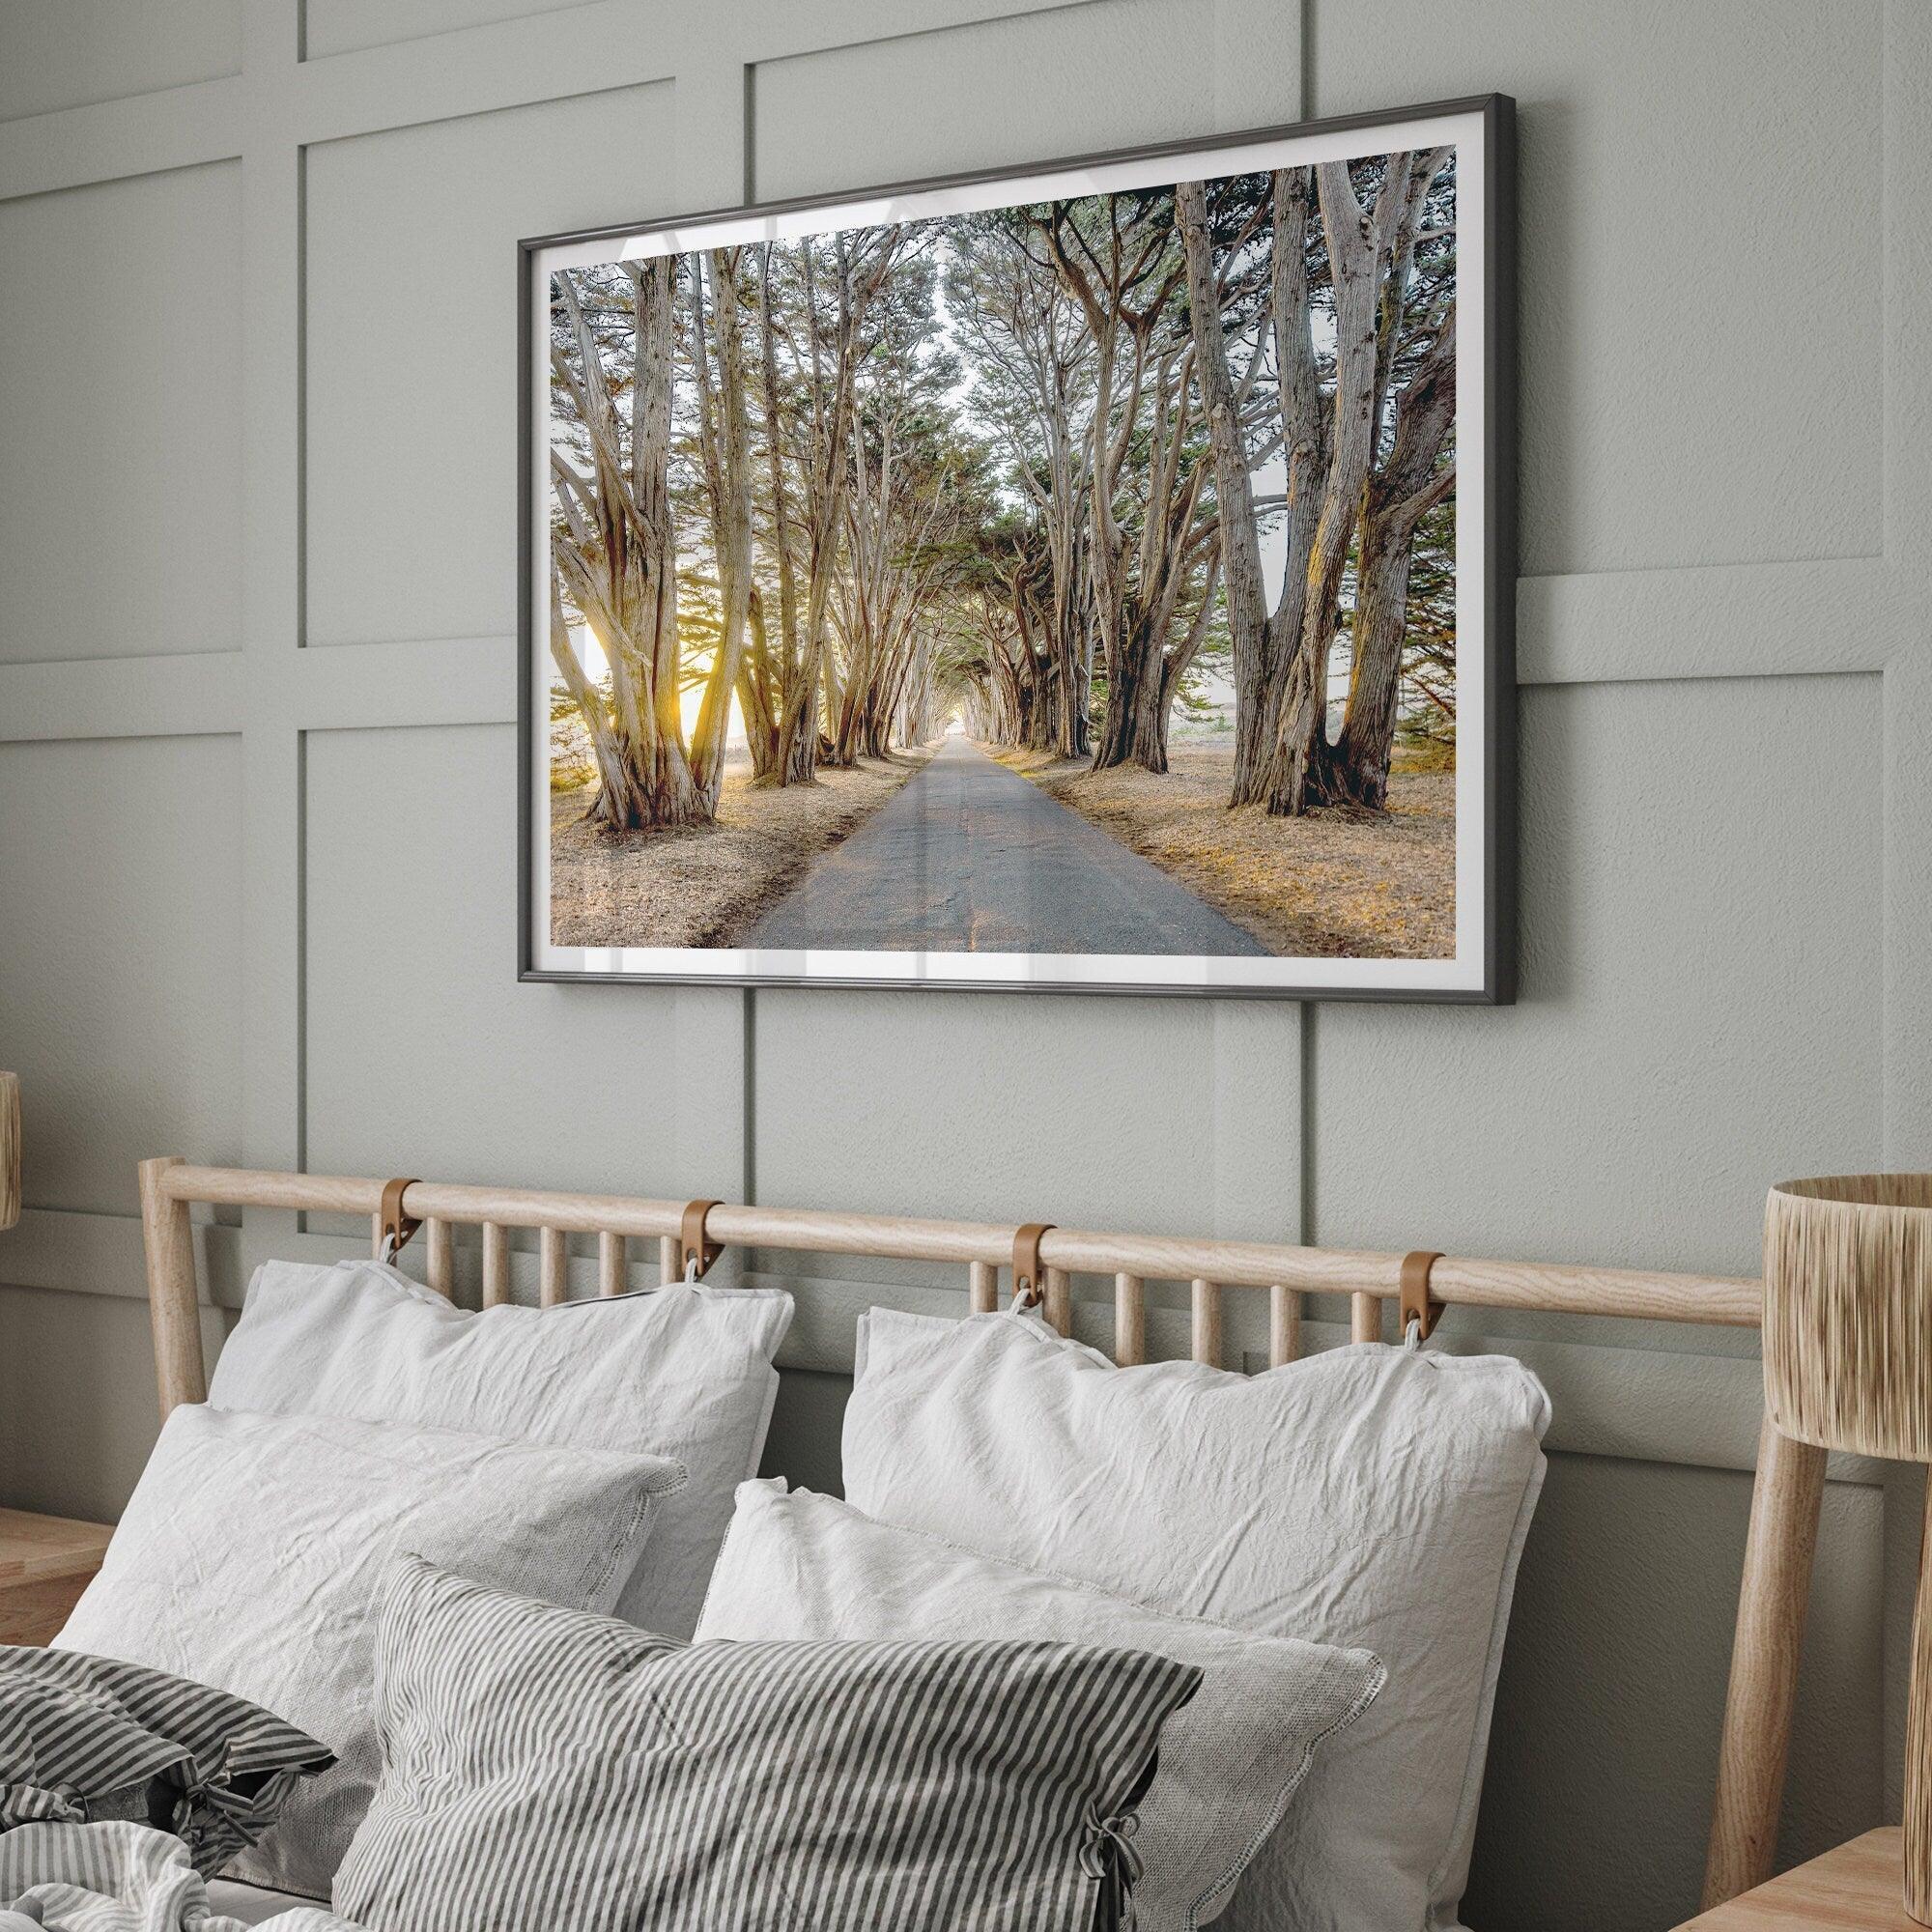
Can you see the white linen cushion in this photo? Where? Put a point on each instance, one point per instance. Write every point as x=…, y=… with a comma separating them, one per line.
x=1374, y=1496
x=684, y=1372
x=807, y=1567
x=252, y=1553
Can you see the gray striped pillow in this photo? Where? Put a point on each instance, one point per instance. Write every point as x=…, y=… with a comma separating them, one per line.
x=546, y=1767
x=85, y=1738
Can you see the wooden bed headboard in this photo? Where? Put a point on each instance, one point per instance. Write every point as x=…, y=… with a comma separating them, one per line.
x=1786, y=1496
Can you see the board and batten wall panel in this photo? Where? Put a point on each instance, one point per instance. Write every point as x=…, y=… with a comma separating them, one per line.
x=1698, y=1013
x=78, y=53
x=343, y=26
x=418, y=1034
x=256, y=747
x=121, y=496
x=119, y=957
x=411, y=450
x=1687, y=398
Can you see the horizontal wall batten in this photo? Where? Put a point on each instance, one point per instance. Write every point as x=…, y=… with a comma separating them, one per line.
x=143, y=135
x=482, y=70
x=1837, y=614
x=442, y=681
x=67, y=1252
x=1613, y=627
x=191, y=694
x=590, y=49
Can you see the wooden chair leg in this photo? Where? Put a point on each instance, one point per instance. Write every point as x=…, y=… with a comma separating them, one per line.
x=1783, y=1538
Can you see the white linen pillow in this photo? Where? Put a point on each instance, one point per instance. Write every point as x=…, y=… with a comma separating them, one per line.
x=1377, y=1496
x=252, y=1553
x=684, y=1372
x=806, y=1567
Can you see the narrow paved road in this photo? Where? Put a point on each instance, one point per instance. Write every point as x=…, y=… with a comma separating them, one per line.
x=968, y=857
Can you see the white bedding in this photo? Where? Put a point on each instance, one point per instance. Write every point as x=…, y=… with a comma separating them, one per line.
x=255, y=1904
x=126, y=1878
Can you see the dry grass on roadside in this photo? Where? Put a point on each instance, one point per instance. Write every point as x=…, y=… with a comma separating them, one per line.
x=1337, y=882
x=699, y=887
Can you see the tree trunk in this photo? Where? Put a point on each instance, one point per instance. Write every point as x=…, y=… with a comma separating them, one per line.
x=1263, y=639
x=756, y=684
x=1355, y=769
x=1133, y=728
x=615, y=555
x=799, y=751
x=1354, y=256
x=733, y=533
x=781, y=506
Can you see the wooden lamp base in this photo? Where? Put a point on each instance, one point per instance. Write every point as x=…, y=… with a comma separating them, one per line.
x=1918, y=1741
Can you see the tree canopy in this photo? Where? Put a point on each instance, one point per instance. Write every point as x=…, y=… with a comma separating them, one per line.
x=1058, y=471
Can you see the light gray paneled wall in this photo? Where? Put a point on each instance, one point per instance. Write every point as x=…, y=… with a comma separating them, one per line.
x=257, y=696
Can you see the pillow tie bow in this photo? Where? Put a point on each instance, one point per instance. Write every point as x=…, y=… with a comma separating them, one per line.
x=1108, y=1853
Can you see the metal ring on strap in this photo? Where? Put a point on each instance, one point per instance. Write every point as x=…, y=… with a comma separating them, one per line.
x=696, y=1249
x=1029, y=1278
x=1418, y=1305
x=395, y=1226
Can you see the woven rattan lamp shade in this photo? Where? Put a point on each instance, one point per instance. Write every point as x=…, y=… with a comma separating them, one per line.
x=10, y=1148
x=1848, y=1312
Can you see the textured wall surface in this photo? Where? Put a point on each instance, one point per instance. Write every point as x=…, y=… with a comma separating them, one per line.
x=257, y=693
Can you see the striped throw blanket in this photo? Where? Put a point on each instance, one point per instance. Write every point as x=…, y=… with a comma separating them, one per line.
x=86, y=1739
x=118, y=1877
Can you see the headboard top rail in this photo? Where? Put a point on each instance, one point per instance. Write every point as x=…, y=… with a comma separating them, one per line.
x=1634, y=1293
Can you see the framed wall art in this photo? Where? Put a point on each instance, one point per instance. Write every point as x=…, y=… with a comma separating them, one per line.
x=1095, y=576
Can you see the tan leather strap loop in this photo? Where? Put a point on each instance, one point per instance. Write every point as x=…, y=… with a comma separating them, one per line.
x=1028, y=1277
x=694, y=1247
x=395, y=1225
x=1418, y=1305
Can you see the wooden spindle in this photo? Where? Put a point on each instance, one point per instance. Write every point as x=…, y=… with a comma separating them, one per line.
x=982, y=1288
x=1284, y=1325
x=1365, y=1317
x=495, y=1265
x=671, y=1267
x=553, y=1266
x=1207, y=1323
x=376, y=1235
x=1129, y=1320
x=1060, y=1301
x=610, y=1270
x=441, y=1239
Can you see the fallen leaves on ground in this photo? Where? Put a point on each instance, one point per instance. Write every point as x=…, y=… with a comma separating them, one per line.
x=1338, y=882
x=701, y=885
